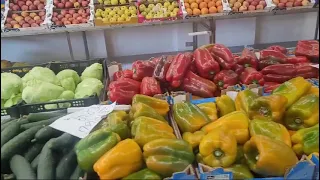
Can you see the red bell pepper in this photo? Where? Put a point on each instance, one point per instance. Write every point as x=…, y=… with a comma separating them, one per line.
x=270, y=86
x=268, y=62
x=278, y=48
x=198, y=86
x=123, y=74
x=150, y=86
x=277, y=78
x=222, y=55
x=226, y=78
x=161, y=68
x=123, y=90
x=281, y=69
x=306, y=71
x=155, y=61
x=177, y=69
x=308, y=48
x=272, y=54
x=251, y=76
x=248, y=59
x=192, y=67
x=296, y=59
x=238, y=69
x=142, y=69
x=206, y=65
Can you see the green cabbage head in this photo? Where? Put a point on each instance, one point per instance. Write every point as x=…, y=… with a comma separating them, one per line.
x=41, y=74
x=11, y=84
x=93, y=71
x=88, y=87
x=69, y=79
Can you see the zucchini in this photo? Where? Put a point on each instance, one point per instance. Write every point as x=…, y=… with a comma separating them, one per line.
x=77, y=173
x=47, y=133
x=33, y=151
x=19, y=142
x=39, y=123
x=34, y=117
x=64, y=141
x=8, y=124
x=8, y=133
x=66, y=165
x=21, y=168
x=46, y=165
x=34, y=163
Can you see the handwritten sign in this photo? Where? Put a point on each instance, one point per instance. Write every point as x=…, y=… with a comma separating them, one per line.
x=80, y=123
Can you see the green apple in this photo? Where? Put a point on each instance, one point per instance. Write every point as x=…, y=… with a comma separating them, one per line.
x=99, y=18
x=173, y=14
x=107, y=2
x=147, y=10
x=105, y=20
x=176, y=10
x=103, y=14
x=116, y=16
x=113, y=19
x=151, y=6
x=144, y=14
x=98, y=14
x=124, y=8
x=120, y=19
x=175, y=4
x=114, y=2
x=166, y=14
x=112, y=13
x=142, y=7
x=123, y=2
x=124, y=16
x=166, y=4
x=150, y=1
x=133, y=7
x=116, y=9
x=170, y=8
x=100, y=1
x=133, y=15
x=142, y=1
x=149, y=16
x=133, y=11
x=155, y=16
x=127, y=12
x=107, y=10
x=128, y=18
x=120, y=12
x=159, y=4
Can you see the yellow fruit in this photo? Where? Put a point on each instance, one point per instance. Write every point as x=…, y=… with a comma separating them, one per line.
x=213, y=10
x=203, y=5
x=204, y=11
x=189, y=11
x=194, y=6
x=196, y=11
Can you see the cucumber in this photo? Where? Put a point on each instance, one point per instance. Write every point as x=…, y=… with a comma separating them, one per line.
x=34, y=117
x=77, y=173
x=66, y=165
x=6, y=121
x=19, y=142
x=64, y=141
x=8, y=133
x=21, y=168
x=34, y=163
x=23, y=121
x=8, y=124
x=39, y=123
x=47, y=133
x=33, y=151
x=46, y=165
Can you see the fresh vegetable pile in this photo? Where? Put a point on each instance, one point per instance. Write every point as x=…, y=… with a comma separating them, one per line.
x=262, y=135
x=41, y=84
x=30, y=149
x=212, y=68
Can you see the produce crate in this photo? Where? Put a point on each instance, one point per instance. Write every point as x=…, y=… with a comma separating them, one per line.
x=79, y=67
x=11, y=111
x=114, y=20
x=292, y=6
x=251, y=6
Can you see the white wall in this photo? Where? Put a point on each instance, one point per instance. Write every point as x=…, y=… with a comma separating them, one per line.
x=157, y=39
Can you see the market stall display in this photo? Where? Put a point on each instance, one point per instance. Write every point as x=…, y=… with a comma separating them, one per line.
x=106, y=15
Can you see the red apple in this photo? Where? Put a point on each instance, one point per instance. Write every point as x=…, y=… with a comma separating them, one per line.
x=34, y=25
x=84, y=15
x=27, y=18
x=75, y=22
x=55, y=2
x=42, y=13
x=72, y=11
x=21, y=22
x=251, y=8
x=43, y=18
x=36, y=2
x=79, y=18
x=40, y=6
x=66, y=22
x=84, y=20
x=60, y=16
x=297, y=3
x=70, y=19
x=64, y=19
x=54, y=14
x=250, y=1
x=13, y=22
x=58, y=23
x=63, y=1
x=31, y=21
x=8, y=26
x=259, y=7
x=289, y=4
x=14, y=16
x=75, y=15
x=263, y=3
x=281, y=5
x=68, y=5
x=72, y=1
x=32, y=7
x=54, y=19
x=254, y=3
x=25, y=25
x=21, y=3
x=79, y=1
x=84, y=3
x=88, y=11
x=24, y=8
x=245, y=3
x=15, y=1
x=60, y=5
x=24, y=14
x=28, y=3
x=15, y=8
x=81, y=11
x=9, y=19
x=68, y=16
x=39, y=21
x=11, y=5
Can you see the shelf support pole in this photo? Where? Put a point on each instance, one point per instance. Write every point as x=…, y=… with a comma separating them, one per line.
x=70, y=46
x=85, y=42
x=317, y=28
x=195, y=38
x=213, y=31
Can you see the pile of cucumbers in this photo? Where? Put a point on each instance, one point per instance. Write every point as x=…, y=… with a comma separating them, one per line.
x=30, y=149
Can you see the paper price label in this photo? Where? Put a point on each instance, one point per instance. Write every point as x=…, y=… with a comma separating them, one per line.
x=218, y=177
x=80, y=123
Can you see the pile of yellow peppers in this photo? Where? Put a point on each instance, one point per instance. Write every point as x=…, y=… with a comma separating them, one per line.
x=139, y=144
x=261, y=134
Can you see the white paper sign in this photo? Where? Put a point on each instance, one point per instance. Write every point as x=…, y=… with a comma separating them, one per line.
x=315, y=65
x=81, y=123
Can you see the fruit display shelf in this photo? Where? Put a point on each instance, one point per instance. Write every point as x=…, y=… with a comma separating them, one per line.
x=111, y=15
x=293, y=4
x=249, y=6
x=199, y=19
x=205, y=8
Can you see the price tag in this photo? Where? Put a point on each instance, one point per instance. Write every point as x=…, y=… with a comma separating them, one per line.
x=315, y=65
x=80, y=123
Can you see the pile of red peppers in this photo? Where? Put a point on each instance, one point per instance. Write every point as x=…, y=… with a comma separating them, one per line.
x=212, y=68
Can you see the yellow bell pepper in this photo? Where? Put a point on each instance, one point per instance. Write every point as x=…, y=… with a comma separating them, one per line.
x=145, y=129
x=225, y=105
x=161, y=106
x=315, y=153
x=244, y=99
x=293, y=89
x=210, y=109
x=272, y=107
x=314, y=90
x=236, y=122
x=123, y=159
x=218, y=148
x=268, y=157
x=193, y=138
x=306, y=140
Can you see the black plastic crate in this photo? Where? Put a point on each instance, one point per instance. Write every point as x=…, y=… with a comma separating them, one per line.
x=21, y=71
x=11, y=111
